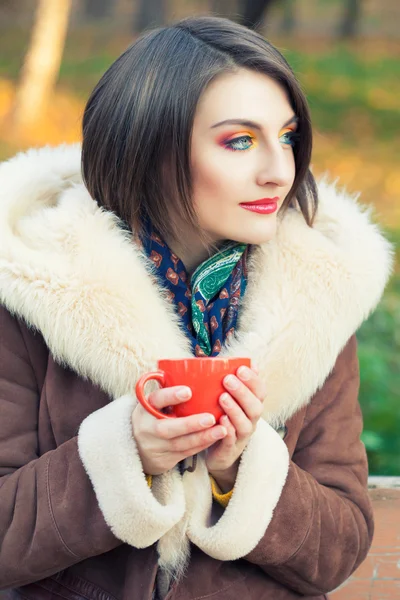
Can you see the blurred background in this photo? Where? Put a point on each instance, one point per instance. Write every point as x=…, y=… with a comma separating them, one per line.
x=346, y=54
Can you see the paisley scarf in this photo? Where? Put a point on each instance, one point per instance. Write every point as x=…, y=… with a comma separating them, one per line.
x=208, y=301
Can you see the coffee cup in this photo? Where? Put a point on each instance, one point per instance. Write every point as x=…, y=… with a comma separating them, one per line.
x=203, y=375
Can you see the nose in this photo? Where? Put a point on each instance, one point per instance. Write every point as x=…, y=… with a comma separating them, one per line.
x=276, y=167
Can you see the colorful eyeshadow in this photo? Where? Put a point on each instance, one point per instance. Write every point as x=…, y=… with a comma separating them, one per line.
x=291, y=136
x=238, y=142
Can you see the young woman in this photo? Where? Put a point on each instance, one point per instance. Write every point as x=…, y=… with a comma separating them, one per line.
x=196, y=153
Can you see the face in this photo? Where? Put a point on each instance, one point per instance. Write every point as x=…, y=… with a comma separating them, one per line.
x=242, y=152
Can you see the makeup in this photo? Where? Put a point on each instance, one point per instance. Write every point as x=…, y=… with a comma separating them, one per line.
x=265, y=206
x=238, y=141
x=291, y=135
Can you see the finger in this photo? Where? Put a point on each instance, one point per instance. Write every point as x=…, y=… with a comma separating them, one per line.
x=169, y=429
x=242, y=424
x=251, y=379
x=169, y=396
x=247, y=400
x=190, y=443
x=230, y=438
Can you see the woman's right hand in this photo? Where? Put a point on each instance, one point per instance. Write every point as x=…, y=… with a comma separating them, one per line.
x=162, y=443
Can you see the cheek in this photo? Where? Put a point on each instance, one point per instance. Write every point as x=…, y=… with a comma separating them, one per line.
x=212, y=179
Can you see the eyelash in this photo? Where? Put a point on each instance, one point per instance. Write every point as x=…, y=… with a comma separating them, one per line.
x=294, y=138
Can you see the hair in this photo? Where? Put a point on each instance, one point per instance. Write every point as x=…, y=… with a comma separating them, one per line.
x=138, y=121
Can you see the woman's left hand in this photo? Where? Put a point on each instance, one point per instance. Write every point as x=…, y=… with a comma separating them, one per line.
x=243, y=405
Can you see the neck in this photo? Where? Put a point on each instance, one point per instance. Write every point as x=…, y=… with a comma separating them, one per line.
x=191, y=254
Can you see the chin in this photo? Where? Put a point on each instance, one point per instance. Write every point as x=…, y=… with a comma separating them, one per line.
x=256, y=236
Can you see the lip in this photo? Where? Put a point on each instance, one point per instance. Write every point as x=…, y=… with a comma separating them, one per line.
x=265, y=206
x=263, y=201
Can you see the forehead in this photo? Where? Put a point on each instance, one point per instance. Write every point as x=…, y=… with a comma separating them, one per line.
x=244, y=94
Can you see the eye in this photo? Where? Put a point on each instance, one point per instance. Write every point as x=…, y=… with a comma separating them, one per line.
x=290, y=138
x=243, y=142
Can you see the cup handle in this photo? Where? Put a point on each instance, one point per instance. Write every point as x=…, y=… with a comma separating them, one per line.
x=141, y=396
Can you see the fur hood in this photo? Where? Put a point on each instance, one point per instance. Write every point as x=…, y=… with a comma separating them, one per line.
x=72, y=273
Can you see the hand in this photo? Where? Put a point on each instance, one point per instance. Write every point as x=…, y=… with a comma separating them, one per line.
x=243, y=406
x=162, y=443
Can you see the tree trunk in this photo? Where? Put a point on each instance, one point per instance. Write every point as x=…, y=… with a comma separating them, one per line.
x=97, y=9
x=42, y=61
x=151, y=13
x=225, y=8
x=253, y=11
x=289, y=19
x=351, y=18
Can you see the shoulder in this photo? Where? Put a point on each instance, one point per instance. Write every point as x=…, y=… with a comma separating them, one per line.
x=22, y=349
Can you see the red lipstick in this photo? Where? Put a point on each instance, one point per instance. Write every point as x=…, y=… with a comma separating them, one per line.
x=265, y=206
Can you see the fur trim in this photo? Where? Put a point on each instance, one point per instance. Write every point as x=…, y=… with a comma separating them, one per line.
x=110, y=457
x=72, y=273
x=257, y=490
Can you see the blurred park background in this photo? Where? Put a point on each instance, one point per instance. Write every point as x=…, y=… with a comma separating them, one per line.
x=346, y=54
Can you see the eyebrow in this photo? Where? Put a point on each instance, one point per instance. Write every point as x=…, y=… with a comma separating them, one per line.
x=252, y=124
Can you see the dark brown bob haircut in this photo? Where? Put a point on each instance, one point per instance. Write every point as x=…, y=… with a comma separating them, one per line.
x=138, y=121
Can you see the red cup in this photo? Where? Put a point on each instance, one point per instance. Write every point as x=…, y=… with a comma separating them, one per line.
x=204, y=376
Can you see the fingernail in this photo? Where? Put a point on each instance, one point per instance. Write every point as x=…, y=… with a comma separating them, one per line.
x=231, y=382
x=219, y=433
x=207, y=421
x=244, y=373
x=226, y=400
x=184, y=393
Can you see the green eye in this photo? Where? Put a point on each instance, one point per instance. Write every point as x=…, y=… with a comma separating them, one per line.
x=244, y=142
x=290, y=138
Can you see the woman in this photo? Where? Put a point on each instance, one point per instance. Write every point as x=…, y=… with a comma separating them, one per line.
x=196, y=148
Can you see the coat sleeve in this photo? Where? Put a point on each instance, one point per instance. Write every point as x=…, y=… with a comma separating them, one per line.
x=79, y=500
x=322, y=526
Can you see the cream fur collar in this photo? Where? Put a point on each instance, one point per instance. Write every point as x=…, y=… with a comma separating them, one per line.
x=69, y=271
